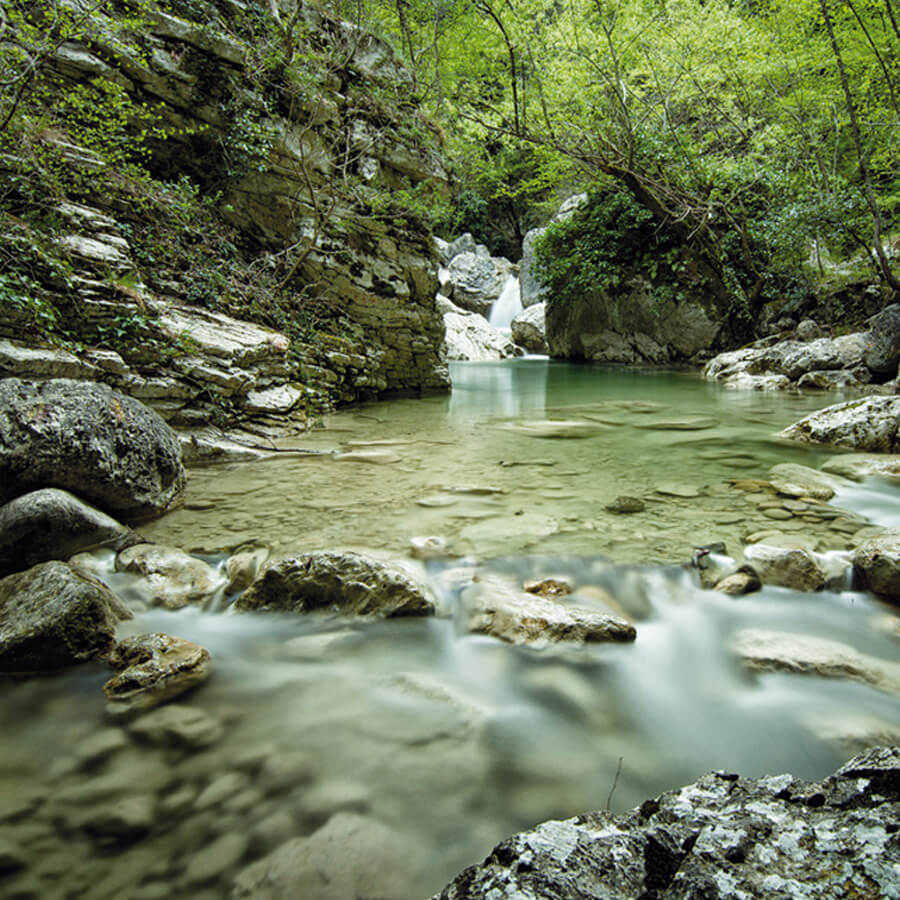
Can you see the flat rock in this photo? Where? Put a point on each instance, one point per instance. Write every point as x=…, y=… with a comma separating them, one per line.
x=176, y=725
x=868, y=424
x=154, y=668
x=558, y=428
x=52, y=616
x=801, y=481
x=172, y=578
x=274, y=401
x=858, y=466
x=328, y=581
x=26, y=361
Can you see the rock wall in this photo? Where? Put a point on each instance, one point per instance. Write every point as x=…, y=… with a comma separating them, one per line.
x=303, y=199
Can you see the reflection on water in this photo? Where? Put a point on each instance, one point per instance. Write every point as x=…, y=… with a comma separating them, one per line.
x=444, y=741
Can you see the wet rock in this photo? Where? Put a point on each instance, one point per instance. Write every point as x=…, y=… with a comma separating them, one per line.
x=123, y=820
x=870, y=423
x=625, y=505
x=85, y=437
x=243, y=567
x=793, y=568
x=744, y=581
x=350, y=856
x=801, y=481
x=172, y=578
x=216, y=859
x=179, y=726
x=877, y=562
x=347, y=583
x=52, y=616
x=721, y=836
x=782, y=652
x=101, y=745
x=528, y=329
x=493, y=607
x=556, y=428
x=271, y=832
x=429, y=547
x=53, y=524
x=547, y=587
x=155, y=668
x=471, y=337
x=882, y=353
x=858, y=466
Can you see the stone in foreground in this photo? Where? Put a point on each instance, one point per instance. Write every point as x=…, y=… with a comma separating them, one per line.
x=346, y=583
x=723, y=836
x=154, y=668
x=869, y=424
x=52, y=616
x=877, y=561
x=108, y=448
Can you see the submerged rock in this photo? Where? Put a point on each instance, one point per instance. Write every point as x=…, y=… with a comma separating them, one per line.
x=52, y=616
x=54, y=524
x=154, y=668
x=107, y=447
x=870, y=423
x=330, y=581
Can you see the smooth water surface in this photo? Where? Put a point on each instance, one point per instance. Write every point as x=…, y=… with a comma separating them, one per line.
x=397, y=752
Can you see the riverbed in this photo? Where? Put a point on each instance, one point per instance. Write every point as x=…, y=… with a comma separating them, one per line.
x=383, y=757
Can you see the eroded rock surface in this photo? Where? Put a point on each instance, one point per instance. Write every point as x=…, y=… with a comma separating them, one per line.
x=869, y=424
x=171, y=578
x=723, y=836
x=529, y=329
x=877, y=561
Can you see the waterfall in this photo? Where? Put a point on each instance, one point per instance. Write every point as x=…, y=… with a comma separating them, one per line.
x=507, y=306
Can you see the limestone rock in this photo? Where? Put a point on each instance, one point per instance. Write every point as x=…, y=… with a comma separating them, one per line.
x=53, y=524
x=477, y=280
x=723, y=836
x=870, y=424
x=882, y=353
x=743, y=581
x=529, y=329
x=531, y=291
x=109, y=448
x=877, y=561
x=52, y=616
x=175, y=725
x=786, y=567
x=347, y=583
x=155, y=668
x=172, y=578
x=465, y=243
x=493, y=607
x=470, y=336
x=23, y=361
x=793, y=480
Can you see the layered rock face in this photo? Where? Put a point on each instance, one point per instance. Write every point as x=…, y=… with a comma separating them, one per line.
x=301, y=177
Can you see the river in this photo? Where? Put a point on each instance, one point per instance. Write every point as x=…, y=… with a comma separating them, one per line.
x=400, y=751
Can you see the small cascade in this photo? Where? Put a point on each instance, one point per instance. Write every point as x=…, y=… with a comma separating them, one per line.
x=507, y=306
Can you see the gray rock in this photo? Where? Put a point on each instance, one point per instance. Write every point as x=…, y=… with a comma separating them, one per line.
x=155, y=668
x=882, y=353
x=216, y=859
x=793, y=568
x=124, y=820
x=624, y=505
x=465, y=243
x=54, y=524
x=52, y=616
x=471, y=337
x=793, y=480
x=180, y=726
x=172, y=578
x=808, y=330
x=477, y=280
x=88, y=438
x=877, y=561
x=870, y=423
x=529, y=330
x=531, y=291
x=493, y=607
x=348, y=583
x=744, y=581
x=22, y=361
x=723, y=836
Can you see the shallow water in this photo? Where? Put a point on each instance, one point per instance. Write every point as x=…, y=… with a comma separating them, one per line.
x=421, y=746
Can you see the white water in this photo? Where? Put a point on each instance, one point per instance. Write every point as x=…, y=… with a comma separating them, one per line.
x=507, y=306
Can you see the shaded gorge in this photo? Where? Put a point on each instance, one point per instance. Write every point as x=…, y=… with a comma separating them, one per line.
x=383, y=757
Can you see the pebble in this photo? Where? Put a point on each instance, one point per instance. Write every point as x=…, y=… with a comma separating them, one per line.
x=773, y=513
x=221, y=788
x=176, y=725
x=216, y=859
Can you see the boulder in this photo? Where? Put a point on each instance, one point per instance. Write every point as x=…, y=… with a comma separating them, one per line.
x=88, y=438
x=723, y=836
x=470, y=336
x=808, y=330
x=528, y=329
x=531, y=291
x=52, y=616
x=494, y=607
x=171, y=578
x=882, y=353
x=328, y=581
x=477, y=280
x=53, y=524
x=744, y=581
x=877, y=561
x=870, y=423
x=465, y=243
x=154, y=668
x=794, y=480
x=793, y=568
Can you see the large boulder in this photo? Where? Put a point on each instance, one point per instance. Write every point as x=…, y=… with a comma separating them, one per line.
x=478, y=279
x=882, y=353
x=531, y=291
x=724, y=836
x=877, y=561
x=329, y=581
x=870, y=423
x=53, y=524
x=471, y=337
x=85, y=437
x=529, y=329
x=52, y=616
x=788, y=567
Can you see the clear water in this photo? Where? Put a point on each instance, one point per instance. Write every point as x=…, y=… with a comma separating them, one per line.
x=453, y=741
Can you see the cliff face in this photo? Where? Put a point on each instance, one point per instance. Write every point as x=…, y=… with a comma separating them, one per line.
x=281, y=164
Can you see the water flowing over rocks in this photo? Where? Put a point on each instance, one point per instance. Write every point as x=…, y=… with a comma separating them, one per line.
x=877, y=562
x=52, y=616
x=154, y=668
x=721, y=836
x=330, y=581
x=54, y=524
x=172, y=578
x=529, y=329
x=108, y=448
x=475, y=279
x=868, y=424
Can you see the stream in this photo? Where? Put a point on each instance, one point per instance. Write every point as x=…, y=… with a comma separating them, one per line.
x=395, y=753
